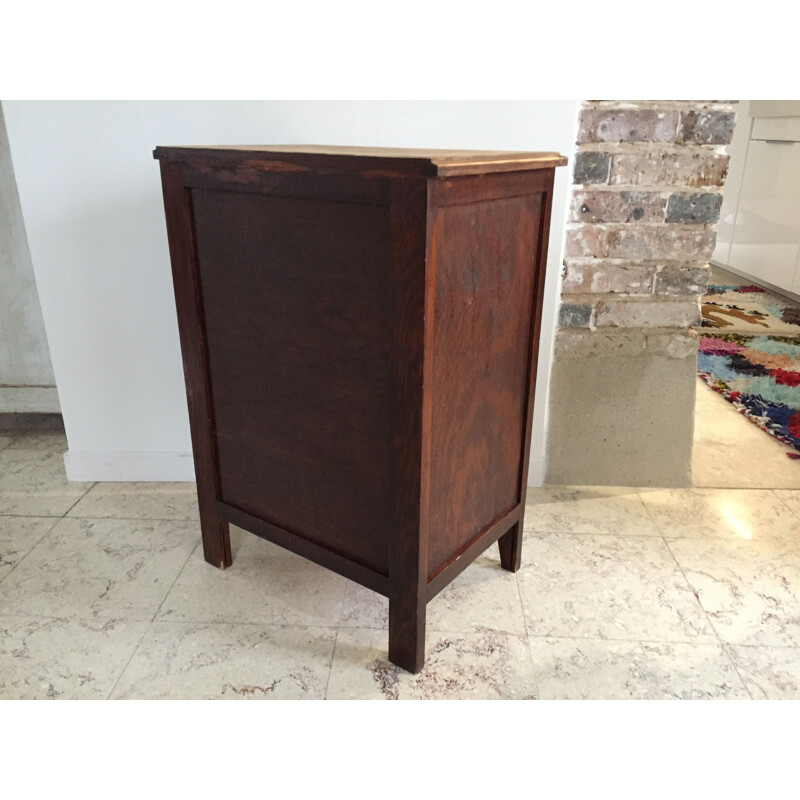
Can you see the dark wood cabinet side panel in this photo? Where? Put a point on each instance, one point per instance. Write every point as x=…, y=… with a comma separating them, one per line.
x=339, y=188
x=299, y=327
x=485, y=255
x=323, y=556
x=188, y=302
x=531, y=447
x=473, y=189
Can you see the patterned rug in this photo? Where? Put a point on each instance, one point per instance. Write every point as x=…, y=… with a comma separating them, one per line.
x=749, y=309
x=759, y=374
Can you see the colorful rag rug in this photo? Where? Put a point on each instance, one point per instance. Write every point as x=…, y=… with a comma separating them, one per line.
x=749, y=309
x=760, y=375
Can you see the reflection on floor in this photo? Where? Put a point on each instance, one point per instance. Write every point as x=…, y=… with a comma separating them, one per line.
x=730, y=451
x=623, y=593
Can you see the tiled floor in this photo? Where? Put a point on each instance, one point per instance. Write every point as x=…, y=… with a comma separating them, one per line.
x=729, y=451
x=623, y=593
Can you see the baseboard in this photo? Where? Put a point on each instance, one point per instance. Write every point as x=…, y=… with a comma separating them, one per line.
x=134, y=467
x=30, y=399
x=167, y=467
x=536, y=472
x=795, y=298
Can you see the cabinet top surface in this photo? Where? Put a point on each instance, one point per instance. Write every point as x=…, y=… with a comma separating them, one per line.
x=439, y=163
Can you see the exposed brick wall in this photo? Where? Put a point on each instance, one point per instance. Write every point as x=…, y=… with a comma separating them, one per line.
x=647, y=181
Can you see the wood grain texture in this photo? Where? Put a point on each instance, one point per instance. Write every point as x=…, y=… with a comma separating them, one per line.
x=398, y=160
x=333, y=187
x=299, y=332
x=510, y=544
x=487, y=537
x=323, y=556
x=408, y=598
x=540, y=259
x=482, y=188
x=189, y=304
x=485, y=270
x=359, y=329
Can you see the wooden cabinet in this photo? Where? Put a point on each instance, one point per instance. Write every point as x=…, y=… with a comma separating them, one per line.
x=359, y=331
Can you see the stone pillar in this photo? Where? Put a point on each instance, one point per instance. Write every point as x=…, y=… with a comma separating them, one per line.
x=647, y=183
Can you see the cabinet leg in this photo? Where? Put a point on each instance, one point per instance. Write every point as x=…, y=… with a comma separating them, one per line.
x=216, y=540
x=407, y=632
x=510, y=545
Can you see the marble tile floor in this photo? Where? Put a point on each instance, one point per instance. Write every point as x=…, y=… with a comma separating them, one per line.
x=729, y=451
x=623, y=593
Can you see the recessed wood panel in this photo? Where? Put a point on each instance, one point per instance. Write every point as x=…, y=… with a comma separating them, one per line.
x=484, y=259
x=298, y=323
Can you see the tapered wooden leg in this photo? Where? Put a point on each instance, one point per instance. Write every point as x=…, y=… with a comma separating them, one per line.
x=216, y=540
x=407, y=631
x=510, y=545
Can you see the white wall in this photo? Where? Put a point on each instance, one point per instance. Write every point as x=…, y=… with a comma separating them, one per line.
x=26, y=375
x=91, y=200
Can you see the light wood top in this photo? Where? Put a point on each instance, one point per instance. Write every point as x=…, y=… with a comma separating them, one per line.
x=442, y=163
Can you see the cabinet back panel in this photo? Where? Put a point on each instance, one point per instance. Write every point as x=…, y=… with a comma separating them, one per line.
x=298, y=338
x=484, y=256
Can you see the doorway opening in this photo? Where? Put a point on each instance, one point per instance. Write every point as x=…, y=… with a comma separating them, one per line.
x=747, y=410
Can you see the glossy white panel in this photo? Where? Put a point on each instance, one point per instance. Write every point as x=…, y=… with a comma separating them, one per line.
x=777, y=128
x=775, y=108
x=733, y=183
x=766, y=238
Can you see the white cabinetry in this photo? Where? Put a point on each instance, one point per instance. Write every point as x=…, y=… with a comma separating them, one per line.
x=766, y=236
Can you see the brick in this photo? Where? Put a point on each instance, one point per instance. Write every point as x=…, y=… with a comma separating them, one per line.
x=694, y=208
x=668, y=168
x=673, y=345
x=641, y=226
x=606, y=278
x=591, y=167
x=611, y=206
x=571, y=315
x=585, y=241
x=706, y=127
x=598, y=344
x=621, y=342
x=627, y=125
x=659, y=242
x=662, y=105
x=647, y=314
x=678, y=281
